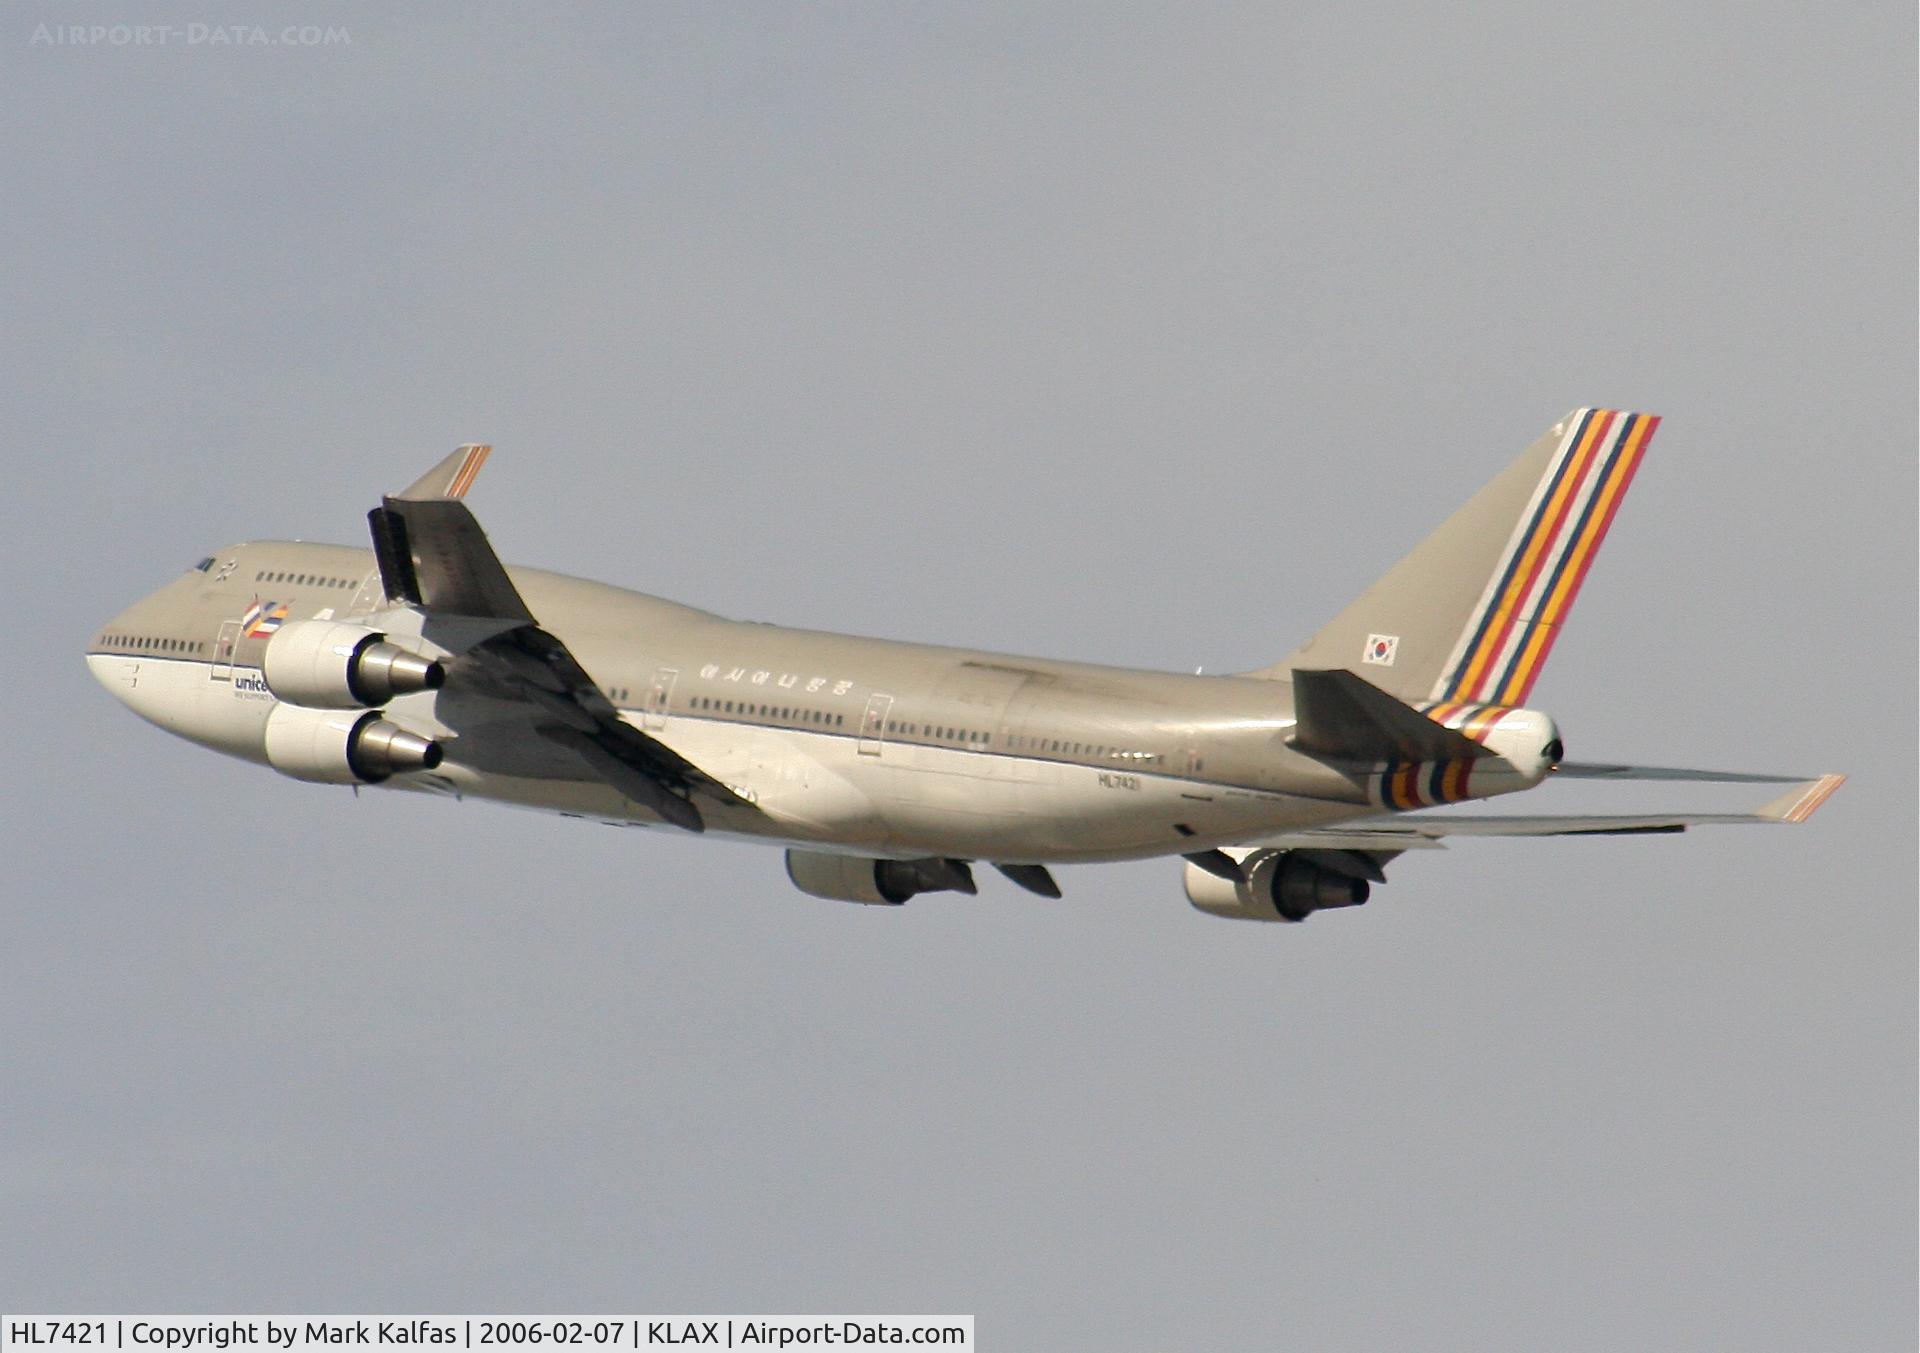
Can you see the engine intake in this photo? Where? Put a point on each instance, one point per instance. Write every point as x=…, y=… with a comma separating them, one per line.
x=328, y=664
x=1279, y=885
x=342, y=748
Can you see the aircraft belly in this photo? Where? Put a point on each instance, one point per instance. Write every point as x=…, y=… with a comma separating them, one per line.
x=942, y=801
x=904, y=799
x=806, y=787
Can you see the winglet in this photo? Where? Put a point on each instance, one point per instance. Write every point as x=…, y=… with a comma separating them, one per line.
x=433, y=554
x=451, y=478
x=1798, y=803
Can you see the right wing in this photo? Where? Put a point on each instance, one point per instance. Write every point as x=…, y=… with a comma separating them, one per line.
x=435, y=559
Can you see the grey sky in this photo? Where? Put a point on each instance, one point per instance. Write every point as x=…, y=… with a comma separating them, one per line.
x=1138, y=335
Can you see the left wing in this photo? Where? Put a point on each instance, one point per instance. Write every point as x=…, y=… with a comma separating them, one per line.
x=1408, y=831
x=435, y=559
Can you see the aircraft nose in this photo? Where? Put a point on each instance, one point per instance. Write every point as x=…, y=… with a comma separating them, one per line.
x=126, y=652
x=113, y=653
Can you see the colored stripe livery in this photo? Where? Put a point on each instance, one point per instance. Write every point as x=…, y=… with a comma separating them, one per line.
x=1404, y=785
x=1815, y=794
x=468, y=470
x=1511, y=631
x=263, y=618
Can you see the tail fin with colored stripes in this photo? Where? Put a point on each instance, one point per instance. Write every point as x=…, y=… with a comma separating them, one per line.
x=1472, y=613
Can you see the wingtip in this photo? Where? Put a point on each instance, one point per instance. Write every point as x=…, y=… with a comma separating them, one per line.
x=1798, y=804
x=452, y=477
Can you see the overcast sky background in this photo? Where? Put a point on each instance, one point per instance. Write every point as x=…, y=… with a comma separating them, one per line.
x=1139, y=335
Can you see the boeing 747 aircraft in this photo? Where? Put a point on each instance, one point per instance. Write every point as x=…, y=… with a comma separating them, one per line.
x=890, y=769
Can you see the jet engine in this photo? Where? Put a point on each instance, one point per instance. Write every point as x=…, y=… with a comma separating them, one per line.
x=342, y=747
x=1282, y=885
x=328, y=664
x=883, y=883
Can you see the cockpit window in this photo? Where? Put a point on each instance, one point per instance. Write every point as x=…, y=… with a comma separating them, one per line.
x=204, y=564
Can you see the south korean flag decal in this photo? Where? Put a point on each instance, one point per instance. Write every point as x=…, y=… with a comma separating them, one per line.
x=1380, y=649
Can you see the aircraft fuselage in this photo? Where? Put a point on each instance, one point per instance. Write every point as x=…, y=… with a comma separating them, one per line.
x=858, y=745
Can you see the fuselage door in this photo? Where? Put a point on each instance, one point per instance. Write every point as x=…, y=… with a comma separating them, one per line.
x=658, y=696
x=873, y=724
x=223, y=645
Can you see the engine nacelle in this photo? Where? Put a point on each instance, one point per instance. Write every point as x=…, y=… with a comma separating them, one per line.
x=329, y=664
x=1274, y=885
x=343, y=747
x=881, y=883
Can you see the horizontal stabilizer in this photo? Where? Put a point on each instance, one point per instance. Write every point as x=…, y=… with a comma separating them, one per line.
x=1404, y=831
x=1798, y=803
x=1596, y=770
x=1340, y=715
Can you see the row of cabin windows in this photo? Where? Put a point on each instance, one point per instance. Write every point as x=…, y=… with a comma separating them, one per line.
x=786, y=712
x=1068, y=747
x=914, y=730
x=940, y=733
x=157, y=643
x=303, y=579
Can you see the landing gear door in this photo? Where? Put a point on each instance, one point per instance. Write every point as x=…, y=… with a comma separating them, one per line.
x=659, y=694
x=223, y=645
x=873, y=724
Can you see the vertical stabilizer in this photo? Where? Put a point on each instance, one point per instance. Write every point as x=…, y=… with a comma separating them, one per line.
x=1472, y=613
